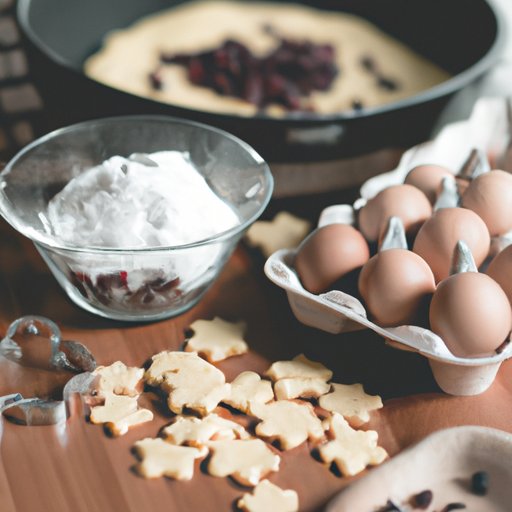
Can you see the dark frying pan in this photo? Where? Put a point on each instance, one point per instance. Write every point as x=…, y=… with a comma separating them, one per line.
x=462, y=36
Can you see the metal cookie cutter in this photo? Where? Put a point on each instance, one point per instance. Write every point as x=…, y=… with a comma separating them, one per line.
x=35, y=341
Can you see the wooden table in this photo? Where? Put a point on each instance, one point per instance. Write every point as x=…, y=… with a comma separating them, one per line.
x=77, y=467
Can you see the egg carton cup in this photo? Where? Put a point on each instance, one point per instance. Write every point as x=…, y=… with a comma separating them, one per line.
x=337, y=312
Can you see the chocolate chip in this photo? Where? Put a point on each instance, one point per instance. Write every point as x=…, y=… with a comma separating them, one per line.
x=387, y=83
x=422, y=500
x=480, y=483
x=453, y=506
x=368, y=63
x=357, y=105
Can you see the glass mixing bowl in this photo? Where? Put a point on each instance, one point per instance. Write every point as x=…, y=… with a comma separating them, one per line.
x=139, y=284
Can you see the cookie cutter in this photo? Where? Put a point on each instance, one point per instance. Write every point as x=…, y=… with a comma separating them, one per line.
x=487, y=130
x=63, y=355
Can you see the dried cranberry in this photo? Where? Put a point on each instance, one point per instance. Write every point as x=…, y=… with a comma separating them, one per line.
x=291, y=71
x=155, y=79
x=196, y=71
x=161, y=285
x=253, y=89
x=81, y=281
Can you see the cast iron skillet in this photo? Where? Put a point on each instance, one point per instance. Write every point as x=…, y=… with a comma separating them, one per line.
x=462, y=36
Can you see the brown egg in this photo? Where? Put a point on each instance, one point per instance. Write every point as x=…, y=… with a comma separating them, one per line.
x=490, y=196
x=437, y=238
x=404, y=201
x=428, y=179
x=394, y=285
x=500, y=269
x=328, y=254
x=471, y=313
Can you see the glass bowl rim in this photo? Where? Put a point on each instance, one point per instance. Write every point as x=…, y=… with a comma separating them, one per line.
x=51, y=242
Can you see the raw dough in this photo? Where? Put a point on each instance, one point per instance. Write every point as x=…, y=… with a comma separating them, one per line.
x=119, y=413
x=248, y=389
x=246, y=461
x=119, y=379
x=299, y=367
x=160, y=458
x=287, y=389
x=351, y=450
x=267, y=496
x=130, y=55
x=191, y=431
x=190, y=381
x=217, y=339
x=352, y=402
x=290, y=423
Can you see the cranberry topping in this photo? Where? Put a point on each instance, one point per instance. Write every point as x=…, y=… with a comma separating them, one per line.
x=287, y=75
x=106, y=287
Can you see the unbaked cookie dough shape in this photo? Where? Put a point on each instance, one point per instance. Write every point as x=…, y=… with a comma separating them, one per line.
x=268, y=497
x=119, y=379
x=119, y=413
x=299, y=367
x=191, y=382
x=160, y=458
x=289, y=423
x=350, y=450
x=246, y=461
x=284, y=231
x=248, y=389
x=192, y=431
x=288, y=389
x=217, y=339
x=351, y=402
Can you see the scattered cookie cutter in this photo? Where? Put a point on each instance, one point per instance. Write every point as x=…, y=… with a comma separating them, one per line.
x=64, y=355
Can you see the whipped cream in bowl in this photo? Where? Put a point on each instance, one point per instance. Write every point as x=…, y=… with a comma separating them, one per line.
x=135, y=216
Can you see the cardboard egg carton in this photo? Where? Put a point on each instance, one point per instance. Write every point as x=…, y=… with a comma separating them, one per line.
x=336, y=311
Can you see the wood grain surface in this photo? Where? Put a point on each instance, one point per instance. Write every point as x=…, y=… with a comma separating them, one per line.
x=78, y=467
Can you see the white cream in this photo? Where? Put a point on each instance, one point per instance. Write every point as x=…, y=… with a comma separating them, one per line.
x=123, y=203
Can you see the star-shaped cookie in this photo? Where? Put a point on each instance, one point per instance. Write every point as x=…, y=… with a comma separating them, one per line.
x=267, y=497
x=119, y=413
x=193, y=431
x=246, y=461
x=351, y=402
x=119, y=379
x=351, y=450
x=285, y=231
x=299, y=367
x=191, y=382
x=290, y=423
x=217, y=339
x=248, y=388
x=160, y=458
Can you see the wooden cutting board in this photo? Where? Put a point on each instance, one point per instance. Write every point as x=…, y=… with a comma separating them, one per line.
x=78, y=467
